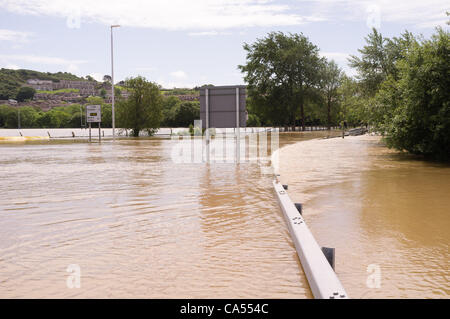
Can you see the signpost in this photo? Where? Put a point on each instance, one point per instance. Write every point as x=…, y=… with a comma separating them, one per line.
x=94, y=115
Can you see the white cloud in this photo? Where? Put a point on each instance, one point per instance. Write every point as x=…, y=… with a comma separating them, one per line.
x=34, y=59
x=430, y=13
x=12, y=66
x=174, y=84
x=179, y=74
x=14, y=36
x=165, y=14
x=146, y=69
x=35, y=62
x=341, y=58
x=207, y=33
x=336, y=56
x=97, y=76
x=72, y=68
x=210, y=15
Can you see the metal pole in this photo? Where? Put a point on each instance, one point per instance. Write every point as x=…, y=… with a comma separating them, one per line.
x=238, y=133
x=207, y=124
x=112, y=83
x=81, y=119
x=112, y=87
x=89, y=132
x=99, y=133
x=18, y=122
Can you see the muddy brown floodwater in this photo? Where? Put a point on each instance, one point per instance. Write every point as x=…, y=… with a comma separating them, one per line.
x=139, y=225
x=387, y=214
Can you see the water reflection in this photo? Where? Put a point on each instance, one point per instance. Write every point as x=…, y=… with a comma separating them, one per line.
x=139, y=225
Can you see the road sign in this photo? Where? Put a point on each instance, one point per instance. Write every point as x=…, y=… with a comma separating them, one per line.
x=94, y=113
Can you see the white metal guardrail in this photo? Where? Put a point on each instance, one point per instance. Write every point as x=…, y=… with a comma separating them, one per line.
x=322, y=279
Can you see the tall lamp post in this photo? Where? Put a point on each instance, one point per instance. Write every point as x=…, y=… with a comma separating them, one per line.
x=112, y=83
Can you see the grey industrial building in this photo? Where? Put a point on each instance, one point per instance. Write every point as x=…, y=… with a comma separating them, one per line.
x=223, y=106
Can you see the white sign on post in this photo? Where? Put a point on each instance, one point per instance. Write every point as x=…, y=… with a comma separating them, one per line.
x=93, y=113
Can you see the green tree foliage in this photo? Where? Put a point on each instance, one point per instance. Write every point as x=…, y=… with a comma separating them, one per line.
x=415, y=109
x=168, y=108
x=354, y=108
x=378, y=59
x=330, y=81
x=177, y=113
x=143, y=109
x=253, y=120
x=95, y=100
x=25, y=93
x=281, y=70
x=58, y=117
x=186, y=113
x=8, y=116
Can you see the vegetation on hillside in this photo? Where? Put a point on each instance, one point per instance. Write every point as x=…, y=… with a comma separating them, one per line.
x=25, y=93
x=12, y=80
x=59, y=91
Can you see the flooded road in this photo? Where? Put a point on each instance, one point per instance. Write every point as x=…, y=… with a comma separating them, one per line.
x=139, y=225
x=387, y=214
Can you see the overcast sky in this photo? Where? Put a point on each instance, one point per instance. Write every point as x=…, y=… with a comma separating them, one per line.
x=187, y=43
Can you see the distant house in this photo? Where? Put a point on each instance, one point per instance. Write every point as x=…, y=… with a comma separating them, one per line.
x=12, y=102
x=41, y=85
x=85, y=88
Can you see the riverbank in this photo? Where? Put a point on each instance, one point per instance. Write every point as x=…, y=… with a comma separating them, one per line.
x=381, y=209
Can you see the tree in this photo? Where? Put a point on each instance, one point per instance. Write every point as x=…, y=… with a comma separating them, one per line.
x=330, y=80
x=143, y=108
x=280, y=71
x=107, y=78
x=7, y=113
x=89, y=78
x=353, y=105
x=416, y=107
x=185, y=113
x=55, y=118
x=28, y=116
x=25, y=93
x=168, y=110
x=378, y=59
x=253, y=121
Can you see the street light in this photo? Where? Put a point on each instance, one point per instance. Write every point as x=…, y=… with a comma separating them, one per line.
x=112, y=83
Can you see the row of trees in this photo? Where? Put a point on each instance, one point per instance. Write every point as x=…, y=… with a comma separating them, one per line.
x=146, y=108
x=59, y=117
x=401, y=88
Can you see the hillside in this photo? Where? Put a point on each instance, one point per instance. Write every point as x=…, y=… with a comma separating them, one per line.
x=11, y=80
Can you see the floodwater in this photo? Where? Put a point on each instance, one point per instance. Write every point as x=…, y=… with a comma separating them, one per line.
x=139, y=225
x=387, y=214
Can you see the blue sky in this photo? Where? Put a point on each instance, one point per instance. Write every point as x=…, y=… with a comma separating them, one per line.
x=188, y=43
